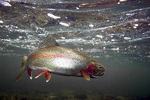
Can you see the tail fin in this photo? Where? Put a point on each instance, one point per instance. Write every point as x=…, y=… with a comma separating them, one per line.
x=23, y=68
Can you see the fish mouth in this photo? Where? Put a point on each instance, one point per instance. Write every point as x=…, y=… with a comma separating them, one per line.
x=101, y=74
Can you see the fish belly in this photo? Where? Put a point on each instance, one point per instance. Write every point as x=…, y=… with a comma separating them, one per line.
x=62, y=66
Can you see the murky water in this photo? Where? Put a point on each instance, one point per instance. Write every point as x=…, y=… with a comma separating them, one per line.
x=115, y=33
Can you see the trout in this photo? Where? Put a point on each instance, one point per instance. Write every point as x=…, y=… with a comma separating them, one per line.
x=51, y=58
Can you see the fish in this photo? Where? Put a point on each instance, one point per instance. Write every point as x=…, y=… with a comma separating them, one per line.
x=51, y=58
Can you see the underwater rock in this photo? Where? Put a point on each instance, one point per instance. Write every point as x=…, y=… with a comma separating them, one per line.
x=68, y=95
x=4, y=3
x=99, y=4
x=14, y=97
x=120, y=98
x=108, y=97
x=112, y=97
x=18, y=15
x=24, y=98
x=64, y=97
x=80, y=97
x=44, y=20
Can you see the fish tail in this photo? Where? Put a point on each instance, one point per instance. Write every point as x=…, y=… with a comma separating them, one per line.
x=23, y=68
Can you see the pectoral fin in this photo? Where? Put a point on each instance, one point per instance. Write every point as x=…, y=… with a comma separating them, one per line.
x=47, y=75
x=85, y=75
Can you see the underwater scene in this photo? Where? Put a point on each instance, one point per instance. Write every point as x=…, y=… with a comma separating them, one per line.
x=115, y=33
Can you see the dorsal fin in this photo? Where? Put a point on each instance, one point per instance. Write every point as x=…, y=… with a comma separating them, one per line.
x=49, y=41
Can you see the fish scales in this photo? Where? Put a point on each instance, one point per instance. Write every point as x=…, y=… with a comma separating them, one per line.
x=58, y=59
x=52, y=58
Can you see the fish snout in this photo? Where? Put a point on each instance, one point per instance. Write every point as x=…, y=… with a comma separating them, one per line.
x=100, y=71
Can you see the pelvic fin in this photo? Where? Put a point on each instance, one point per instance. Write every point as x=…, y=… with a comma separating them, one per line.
x=47, y=74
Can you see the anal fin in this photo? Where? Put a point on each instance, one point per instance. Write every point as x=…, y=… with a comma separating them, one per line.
x=85, y=75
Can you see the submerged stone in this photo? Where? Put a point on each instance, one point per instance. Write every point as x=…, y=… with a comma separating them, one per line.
x=81, y=96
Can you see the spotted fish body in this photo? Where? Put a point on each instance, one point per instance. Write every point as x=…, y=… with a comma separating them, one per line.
x=52, y=58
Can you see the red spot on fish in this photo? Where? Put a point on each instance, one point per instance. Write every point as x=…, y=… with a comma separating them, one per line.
x=91, y=68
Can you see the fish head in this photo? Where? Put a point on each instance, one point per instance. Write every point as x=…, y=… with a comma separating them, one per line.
x=95, y=69
x=99, y=71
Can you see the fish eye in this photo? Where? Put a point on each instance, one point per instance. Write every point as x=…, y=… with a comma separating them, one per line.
x=101, y=68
